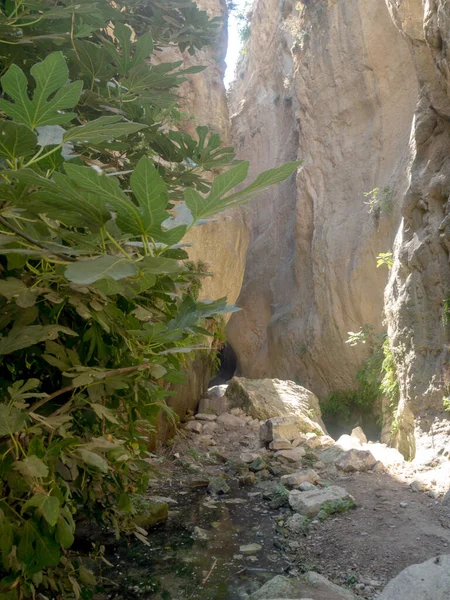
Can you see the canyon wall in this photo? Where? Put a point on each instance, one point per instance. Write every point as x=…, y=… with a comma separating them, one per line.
x=358, y=90
x=416, y=307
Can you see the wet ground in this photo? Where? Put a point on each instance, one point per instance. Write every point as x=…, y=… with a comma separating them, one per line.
x=179, y=565
x=197, y=553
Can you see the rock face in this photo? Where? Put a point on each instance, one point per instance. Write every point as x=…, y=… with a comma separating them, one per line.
x=263, y=399
x=360, y=91
x=333, y=84
x=420, y=277
x=428, y=581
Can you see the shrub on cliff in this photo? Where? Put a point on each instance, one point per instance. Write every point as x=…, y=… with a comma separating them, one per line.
x=98, y=188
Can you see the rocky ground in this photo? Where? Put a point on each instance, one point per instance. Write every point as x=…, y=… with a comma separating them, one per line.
x=246, y=519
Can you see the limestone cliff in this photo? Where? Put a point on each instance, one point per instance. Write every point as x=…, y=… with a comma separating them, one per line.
x=420, y=282
x=359, y=90
x=332, y=83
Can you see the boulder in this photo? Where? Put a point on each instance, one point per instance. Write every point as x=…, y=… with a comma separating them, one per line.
x=194, y=426
x=151, y=513
x=356, y=460
x=280, y=445
x=359, y=434
x=429, y=580
x=314, y=441
x=209, y=428
x=282, y=429
x=311, y=586
x=292, y=456
x=388, y=456
x=214, y=401
x=267, y=398
x=217, y=485
x=344, y=443
x=230, y=422
x=247, y=478
x=295, y=479
x=205, y=417
x=217, y=391
x=249, y=457
x=278, y=587
x=329, y=499
x=326, y=589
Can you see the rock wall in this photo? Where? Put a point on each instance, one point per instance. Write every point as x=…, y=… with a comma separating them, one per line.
x=332, y=83
x=359, y=90
x=420, y=280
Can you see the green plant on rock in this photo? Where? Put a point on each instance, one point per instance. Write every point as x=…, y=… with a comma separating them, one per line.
x=385, y=258
x=98, y=188
x=389, y=384
x=446, y=311
x=380, y=201
x=377, y=377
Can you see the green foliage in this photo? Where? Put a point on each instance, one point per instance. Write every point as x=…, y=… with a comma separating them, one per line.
x=446, y=403
x=363, y=336
x=98, y=308
x=385, y=258
x=446, y=311
x=376, y=378
x=380, y=201
x=389, y=384
x=331, y=507
x=241, y=14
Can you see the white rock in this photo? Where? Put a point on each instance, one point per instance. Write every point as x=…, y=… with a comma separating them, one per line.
x=429, y=580
x=356, y=460
x=217, y=391
x=310, y=503
x=359, y=434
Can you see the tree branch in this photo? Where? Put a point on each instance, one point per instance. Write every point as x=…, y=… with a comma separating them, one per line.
x=29, y=239
x=70, y=388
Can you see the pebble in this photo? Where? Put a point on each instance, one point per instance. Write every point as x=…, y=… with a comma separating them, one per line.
x=250, y=548
x=403, y=504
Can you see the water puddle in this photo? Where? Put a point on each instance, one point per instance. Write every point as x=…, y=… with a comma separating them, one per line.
x=200, y=552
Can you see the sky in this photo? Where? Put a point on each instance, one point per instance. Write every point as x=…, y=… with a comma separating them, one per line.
x=234, y=45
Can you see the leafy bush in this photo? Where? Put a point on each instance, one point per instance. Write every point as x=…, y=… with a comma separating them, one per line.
x=98, y=303
x=376, y=378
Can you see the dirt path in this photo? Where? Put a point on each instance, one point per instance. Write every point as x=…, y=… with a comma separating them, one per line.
x=218, y=545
